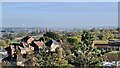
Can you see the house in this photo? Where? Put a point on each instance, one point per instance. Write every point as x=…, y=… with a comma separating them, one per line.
x=9, y=52
x=111, y=56
x=27, y=39
x=18, y=51
x=31, y=43
x=101, y=44
x=3, y=53
x=53, y=46
x=115, y=44
x=37, y=45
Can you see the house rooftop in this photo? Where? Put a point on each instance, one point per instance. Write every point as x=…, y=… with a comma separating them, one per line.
x=112, y=56
x=101, y=42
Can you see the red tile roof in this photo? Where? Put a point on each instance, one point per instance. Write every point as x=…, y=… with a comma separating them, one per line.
x=39, y=43
x=101, y=45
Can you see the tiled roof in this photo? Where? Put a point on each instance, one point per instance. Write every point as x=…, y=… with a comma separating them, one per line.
x=112, y=56
x=39, y=43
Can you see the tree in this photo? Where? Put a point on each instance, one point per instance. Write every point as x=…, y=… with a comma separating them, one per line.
x=105, y=35
x=48, y=59
x=72, y=40
x=3, y=43
x=52, y=35
x=8, y=41
x=10, y=36
x=86, y=54
x=102, y=36
x=87, y=38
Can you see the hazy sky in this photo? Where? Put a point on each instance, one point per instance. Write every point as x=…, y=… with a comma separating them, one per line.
x=60, y=0
x=59, y=14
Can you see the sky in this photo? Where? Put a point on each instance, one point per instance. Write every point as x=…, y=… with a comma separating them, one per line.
x=60, y=0
x=60, y=14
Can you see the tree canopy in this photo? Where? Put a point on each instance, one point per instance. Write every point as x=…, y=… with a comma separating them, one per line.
x=52, y=35
x=3, y=43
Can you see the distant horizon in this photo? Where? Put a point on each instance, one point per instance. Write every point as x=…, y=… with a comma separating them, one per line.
x=99, y=27
x=60, y=14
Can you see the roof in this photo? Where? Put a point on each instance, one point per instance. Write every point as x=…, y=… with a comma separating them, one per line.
x=112, y=56
x=49, y=43
x=101, y=45
x=55, y=42
x=100, y=42
x=115, y=43
x=25, y=38
x=39, y=43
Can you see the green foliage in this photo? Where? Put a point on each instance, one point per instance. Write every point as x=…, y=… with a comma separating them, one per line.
x=64, y=37
x=105, y=35
x=68, y=52
x=3, y=43
x=72, y=40
x=10, y=36
x=49, y=59
x=87, y=38
x=85, y=53
x=8, y=41
x=69, y=34
x=52, y=35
